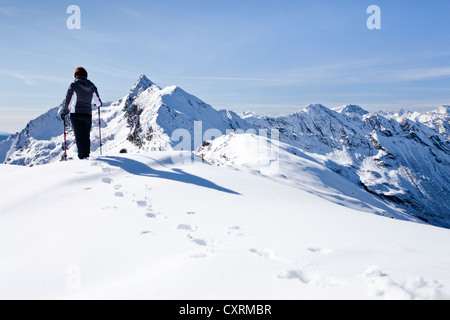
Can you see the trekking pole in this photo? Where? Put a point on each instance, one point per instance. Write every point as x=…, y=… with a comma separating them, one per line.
x=100, y=130
x=65, y=141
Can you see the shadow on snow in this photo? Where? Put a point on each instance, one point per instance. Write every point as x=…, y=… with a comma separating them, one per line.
x=141, y=169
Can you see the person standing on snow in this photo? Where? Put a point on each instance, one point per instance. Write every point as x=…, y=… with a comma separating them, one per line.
x=82, y=93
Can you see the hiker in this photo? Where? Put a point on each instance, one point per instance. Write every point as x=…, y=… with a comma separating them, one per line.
x=81, y=94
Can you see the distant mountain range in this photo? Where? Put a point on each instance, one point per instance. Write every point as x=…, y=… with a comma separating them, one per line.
x=403, y=157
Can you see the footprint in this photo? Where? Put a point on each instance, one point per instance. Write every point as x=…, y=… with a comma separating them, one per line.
x=199, y=255
x=261, y=253
x=319, y=250
x=267, y=254
x=382, y=285
x=186, y=227
x=107, y=180
x=190, y=213
x=109, y=208
x=199, y=242
x=117, y=187
x=141, y=203
x=236, y=231
x=119, y=194
x=210, y=244
x=153, y=215
x=311, y=278
x=295, y=275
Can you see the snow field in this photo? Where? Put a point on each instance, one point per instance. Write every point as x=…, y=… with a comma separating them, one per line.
x=140, y=227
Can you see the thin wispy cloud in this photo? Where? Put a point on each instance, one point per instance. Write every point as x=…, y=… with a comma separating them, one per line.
x=27, y=79
x=32, y=79
x=132, y=13
x=423, y=73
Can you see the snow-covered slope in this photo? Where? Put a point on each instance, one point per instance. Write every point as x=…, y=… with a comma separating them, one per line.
x=141, y=227
x=403, y=160
x=290, y=166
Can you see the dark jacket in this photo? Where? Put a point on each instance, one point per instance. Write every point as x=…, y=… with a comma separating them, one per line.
x=81, y=94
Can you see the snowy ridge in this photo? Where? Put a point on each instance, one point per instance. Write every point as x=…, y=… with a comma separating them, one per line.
x=438, y=120
x=402, y=157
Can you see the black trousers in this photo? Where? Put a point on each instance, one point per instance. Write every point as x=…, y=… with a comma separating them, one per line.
x=82, y=124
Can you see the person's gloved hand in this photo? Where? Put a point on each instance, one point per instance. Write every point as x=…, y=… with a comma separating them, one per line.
x=63, y=116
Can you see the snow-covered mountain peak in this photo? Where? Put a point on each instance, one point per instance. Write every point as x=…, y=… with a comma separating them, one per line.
x=445, y=110
x=142, y=84
x=437, y=119
x=183, y=101
x=174, y=90
x=248, y=114
x=317, y=107
x=155, y=114
x=351, y=109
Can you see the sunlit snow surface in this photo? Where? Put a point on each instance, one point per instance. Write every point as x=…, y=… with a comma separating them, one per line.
x=142, y=227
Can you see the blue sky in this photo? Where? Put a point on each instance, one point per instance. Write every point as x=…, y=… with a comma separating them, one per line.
x=271, y=57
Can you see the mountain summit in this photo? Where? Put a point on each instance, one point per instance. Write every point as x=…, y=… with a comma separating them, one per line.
x=351, y=109
x=141, y=85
